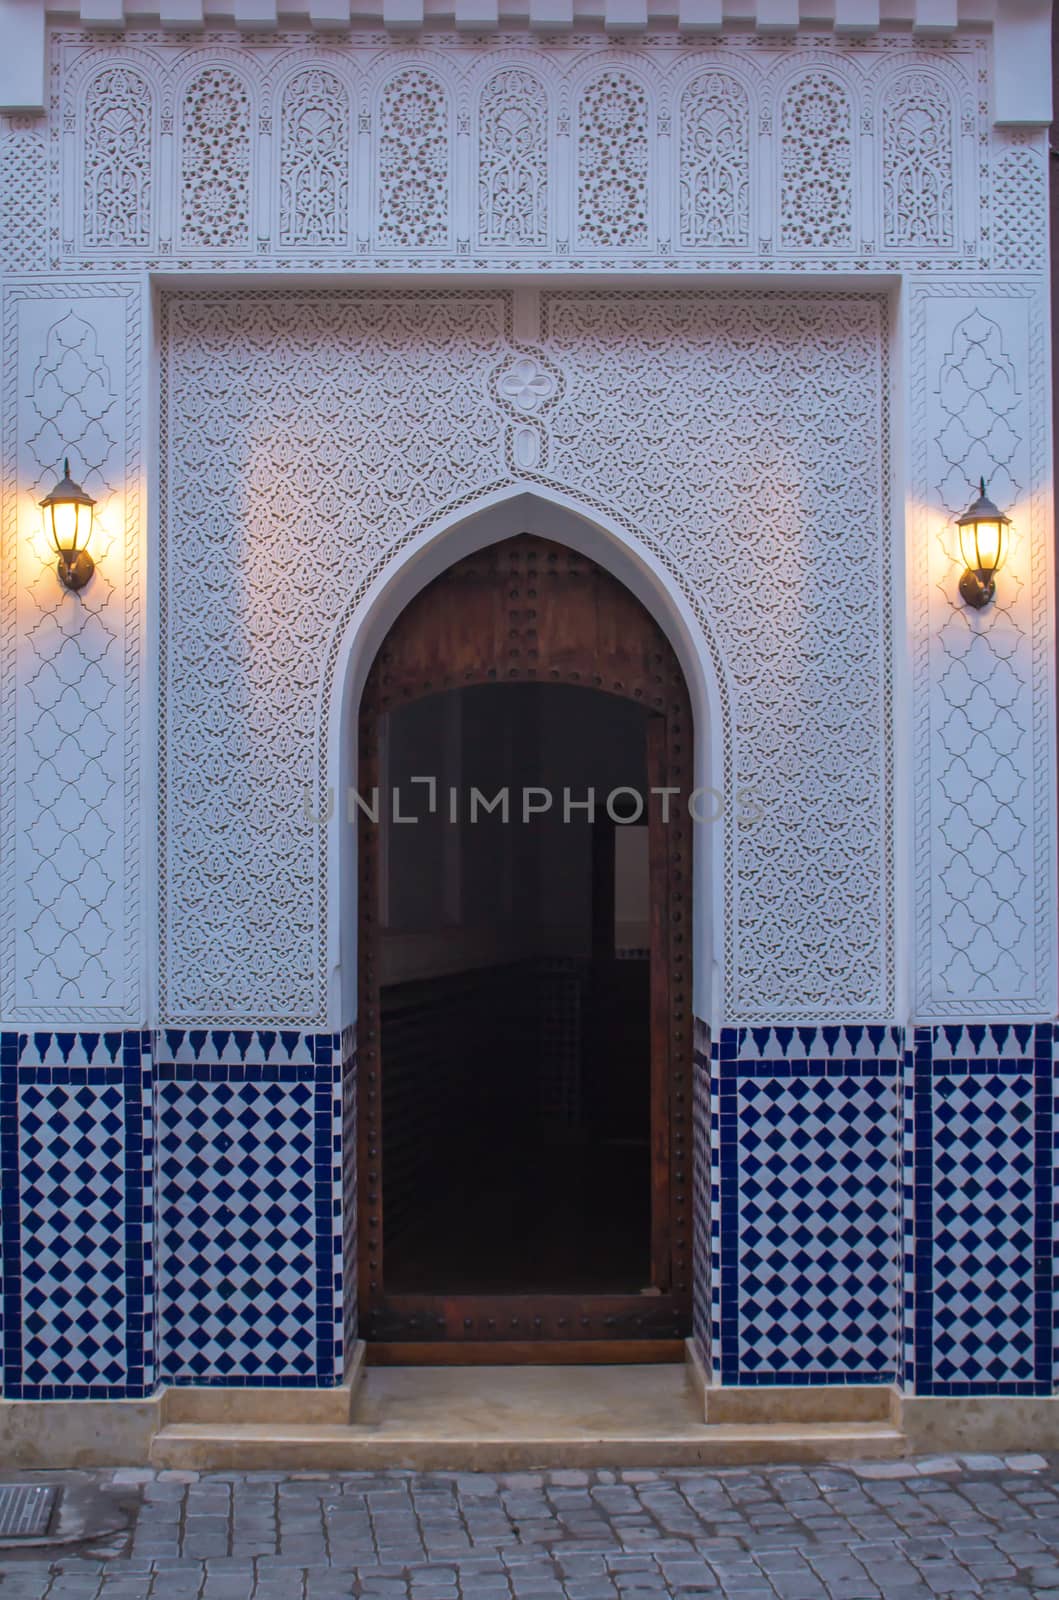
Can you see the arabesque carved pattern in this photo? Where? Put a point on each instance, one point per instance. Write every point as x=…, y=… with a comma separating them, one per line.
x=71, y=939
x=413, y=198
x=67, y=859
x=314, y=161
x=918, y=156
x=714, y=161
x=354, y=418
x=612, y=162
x=513, y=161
x=23, y=184
x=816, y=200
x=730, y=153
x=117, y=157
x=678, y=410
x=215, y=160
x=1020, y=209
x=981, y=735
x=357, y=418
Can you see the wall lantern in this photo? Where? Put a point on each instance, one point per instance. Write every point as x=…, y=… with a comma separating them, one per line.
x=983, y=545
x=68, y=513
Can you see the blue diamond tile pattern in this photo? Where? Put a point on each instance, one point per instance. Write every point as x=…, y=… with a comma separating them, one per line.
x=701, y=1192
x=866, y=1203
x=805, y=1203
x=346, y=1210
x=71, y=1182
x=906, y=1319
x=983, y=1227
x=817, y=1226
x=980, y=1216
x=982, y=1210
x=76, y=1159
x=248, y=1271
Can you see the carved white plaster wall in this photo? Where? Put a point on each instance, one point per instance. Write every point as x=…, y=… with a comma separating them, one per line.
x=714, y=162
x=314, y=135
x=119, y=127
x=351, y=152
x=984, y=765
x=24, y=185
x=70, y=687
x=362, y=152
x=513, y=175
x=323, y=431
x=1020, y=204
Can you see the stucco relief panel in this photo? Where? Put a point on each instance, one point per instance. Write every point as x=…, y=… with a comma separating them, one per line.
x=71, y=685
x=118, y=139
x=337, y=424
x=513, y=161
x=24, y=242
x=314, y=186
x=361, y=152
x=983, y=781
x=670, y=412
x=681, y=410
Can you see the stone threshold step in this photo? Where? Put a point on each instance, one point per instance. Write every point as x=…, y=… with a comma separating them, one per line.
x=349, y=1448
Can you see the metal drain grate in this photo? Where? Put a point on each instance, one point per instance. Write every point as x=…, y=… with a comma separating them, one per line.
x=25, y=1509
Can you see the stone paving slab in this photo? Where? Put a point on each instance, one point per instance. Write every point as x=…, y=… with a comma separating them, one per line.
x=913, y=1530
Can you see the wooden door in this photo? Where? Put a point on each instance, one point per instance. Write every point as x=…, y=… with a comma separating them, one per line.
x=531, y=611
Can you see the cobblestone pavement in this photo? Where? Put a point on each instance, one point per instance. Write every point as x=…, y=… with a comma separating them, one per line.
x=967, y=1525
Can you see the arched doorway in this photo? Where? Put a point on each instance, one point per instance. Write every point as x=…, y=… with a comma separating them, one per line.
x=524, y=1034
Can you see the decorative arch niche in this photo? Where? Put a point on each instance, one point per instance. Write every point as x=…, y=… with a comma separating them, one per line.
x=362, y=630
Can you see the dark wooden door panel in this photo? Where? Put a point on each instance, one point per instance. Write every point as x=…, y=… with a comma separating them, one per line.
x=531, y=611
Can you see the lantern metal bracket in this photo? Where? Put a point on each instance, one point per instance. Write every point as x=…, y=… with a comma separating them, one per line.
x=973, y=592
x=76, y=573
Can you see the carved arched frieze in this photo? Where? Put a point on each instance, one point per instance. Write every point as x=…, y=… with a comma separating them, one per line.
x=713, y=114
x=216, y=130
x=413, y=134
x=651, y=175
x=920, y=125
x=817, y=133
x=312, y=134
x=117, y=140
x=613, y=136
x=512, y=158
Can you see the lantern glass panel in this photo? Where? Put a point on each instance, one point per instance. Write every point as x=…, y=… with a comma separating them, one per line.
x=71, y=522
x=982, y=545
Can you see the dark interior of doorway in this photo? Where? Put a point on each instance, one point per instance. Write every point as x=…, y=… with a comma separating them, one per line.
x=515, y=1001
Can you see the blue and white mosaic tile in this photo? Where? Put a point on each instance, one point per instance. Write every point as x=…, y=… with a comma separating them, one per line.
x=866, y=1207
x=982, y=1210
x=818, y=1226
x=80, y=1049
x=906, y=1319
x=346, y=1208
x=76, y=1159
x=806, y=1237
x=71, y=1160
x=701, y=1287
x=245, y=1213
x=848, y=1041
x=247, y=1047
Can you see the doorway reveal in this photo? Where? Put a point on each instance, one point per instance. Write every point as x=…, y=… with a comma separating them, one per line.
x=525, y=1016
